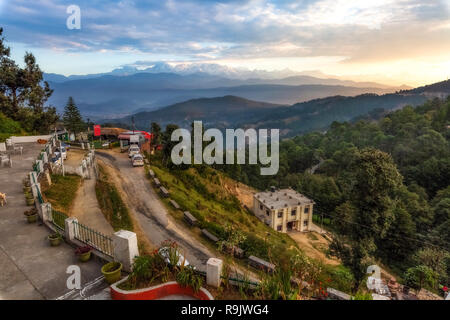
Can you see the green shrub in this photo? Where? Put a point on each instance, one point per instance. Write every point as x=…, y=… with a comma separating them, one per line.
x=187, y=277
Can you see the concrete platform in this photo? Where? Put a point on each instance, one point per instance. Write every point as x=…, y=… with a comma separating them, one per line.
x=30, y=268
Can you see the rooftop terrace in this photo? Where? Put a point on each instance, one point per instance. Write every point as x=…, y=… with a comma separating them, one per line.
x=282, y=198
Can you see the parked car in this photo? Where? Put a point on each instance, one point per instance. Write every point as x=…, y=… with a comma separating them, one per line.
x=65, y=145
x=56, y=159
x=133, y=149
x=137, y=160
x=61, y=151
x=164, y=252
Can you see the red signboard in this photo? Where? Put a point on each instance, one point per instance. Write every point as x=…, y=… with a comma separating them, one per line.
x=97, y=130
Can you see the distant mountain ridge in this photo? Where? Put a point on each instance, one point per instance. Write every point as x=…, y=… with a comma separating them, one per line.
x=222, y=112
x=315, y=114
x=110, y=96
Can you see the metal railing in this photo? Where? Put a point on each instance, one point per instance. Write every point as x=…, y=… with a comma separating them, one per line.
x=94, y=238
x=58, y=219
x=39, y=196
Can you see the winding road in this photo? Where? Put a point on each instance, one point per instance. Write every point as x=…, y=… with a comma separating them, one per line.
x=148, y=210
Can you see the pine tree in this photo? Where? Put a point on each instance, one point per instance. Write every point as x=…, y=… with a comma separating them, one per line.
x=72, y=118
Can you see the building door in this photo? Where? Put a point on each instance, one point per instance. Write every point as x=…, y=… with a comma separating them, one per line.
x=290, y=226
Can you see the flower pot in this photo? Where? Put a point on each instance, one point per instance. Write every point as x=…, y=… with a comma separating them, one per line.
x=83, y=257
x=112, y=272
x=30, y=201
x=32, y=218
x=54, y=239
x=26, y=189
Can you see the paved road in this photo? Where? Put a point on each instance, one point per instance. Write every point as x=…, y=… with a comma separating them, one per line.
x=29, y=267
x=153, y=217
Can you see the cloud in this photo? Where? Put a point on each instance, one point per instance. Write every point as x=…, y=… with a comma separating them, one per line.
x=359, y=30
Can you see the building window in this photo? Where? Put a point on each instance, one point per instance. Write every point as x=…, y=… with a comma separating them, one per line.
x=305, y=223
x=293, y=212
x=280, y=214
x=307, y=210
x=279, y=227
x=268, y=212
x=260, y=207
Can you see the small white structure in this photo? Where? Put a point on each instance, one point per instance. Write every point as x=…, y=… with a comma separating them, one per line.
x=213, y=272
x=125, y=248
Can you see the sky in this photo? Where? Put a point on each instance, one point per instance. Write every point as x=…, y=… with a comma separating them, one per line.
x=390, y=41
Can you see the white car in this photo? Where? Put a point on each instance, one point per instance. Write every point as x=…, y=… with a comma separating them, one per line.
x=133, y=149
x=61, y=151
x=164, y=252
x=137, y=160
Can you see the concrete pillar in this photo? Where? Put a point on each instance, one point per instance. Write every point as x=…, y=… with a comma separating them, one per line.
x=49, y=179
x=44, y=157
x=46, y=209
x=69, y=228
x=213, y=272
x=82, y=145
x=34, y=189
x=40, y=163
x=125, y=248
x=33, y=177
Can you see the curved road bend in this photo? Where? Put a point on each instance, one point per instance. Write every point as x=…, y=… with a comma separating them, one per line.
x=153, y=217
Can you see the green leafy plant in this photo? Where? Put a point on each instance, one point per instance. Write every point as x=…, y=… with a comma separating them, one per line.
x=187, y=277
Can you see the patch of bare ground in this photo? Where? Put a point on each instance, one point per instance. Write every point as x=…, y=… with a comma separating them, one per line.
x=314, y=245
x=241, y=191
x=74, y=157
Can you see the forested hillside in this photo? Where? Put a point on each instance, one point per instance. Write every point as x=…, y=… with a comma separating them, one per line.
x=318, y=114
x=385, y=186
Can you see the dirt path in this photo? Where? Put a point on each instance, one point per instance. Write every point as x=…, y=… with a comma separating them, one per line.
x=87, y=210
x=145, y=206
x=314, y=246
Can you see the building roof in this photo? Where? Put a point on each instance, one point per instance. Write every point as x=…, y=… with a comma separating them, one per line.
x=282, y=198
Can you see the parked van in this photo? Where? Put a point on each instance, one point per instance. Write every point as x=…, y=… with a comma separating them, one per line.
x=137, y=160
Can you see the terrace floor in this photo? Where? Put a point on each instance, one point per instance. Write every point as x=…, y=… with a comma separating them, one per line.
x=31, y=269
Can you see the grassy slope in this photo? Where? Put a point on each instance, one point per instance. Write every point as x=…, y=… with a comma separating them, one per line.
x=111, y=204
x=115, y=209
x=201, y=192
x=62, y=192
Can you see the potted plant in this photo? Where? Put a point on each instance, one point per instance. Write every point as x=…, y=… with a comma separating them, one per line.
x=26, y=186
x=26, y=182
x=31, y=215
x=83, y=253
x=112, y=272
x=29, y=200
x=55, y=239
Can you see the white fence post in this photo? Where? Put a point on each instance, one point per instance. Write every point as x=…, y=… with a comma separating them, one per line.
x=44, y=157
x=35, y=189
x=41, y=165
x=33, y=177
x=213, y=272
x=125, y=248
x=46, y=209
x=69, y=228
